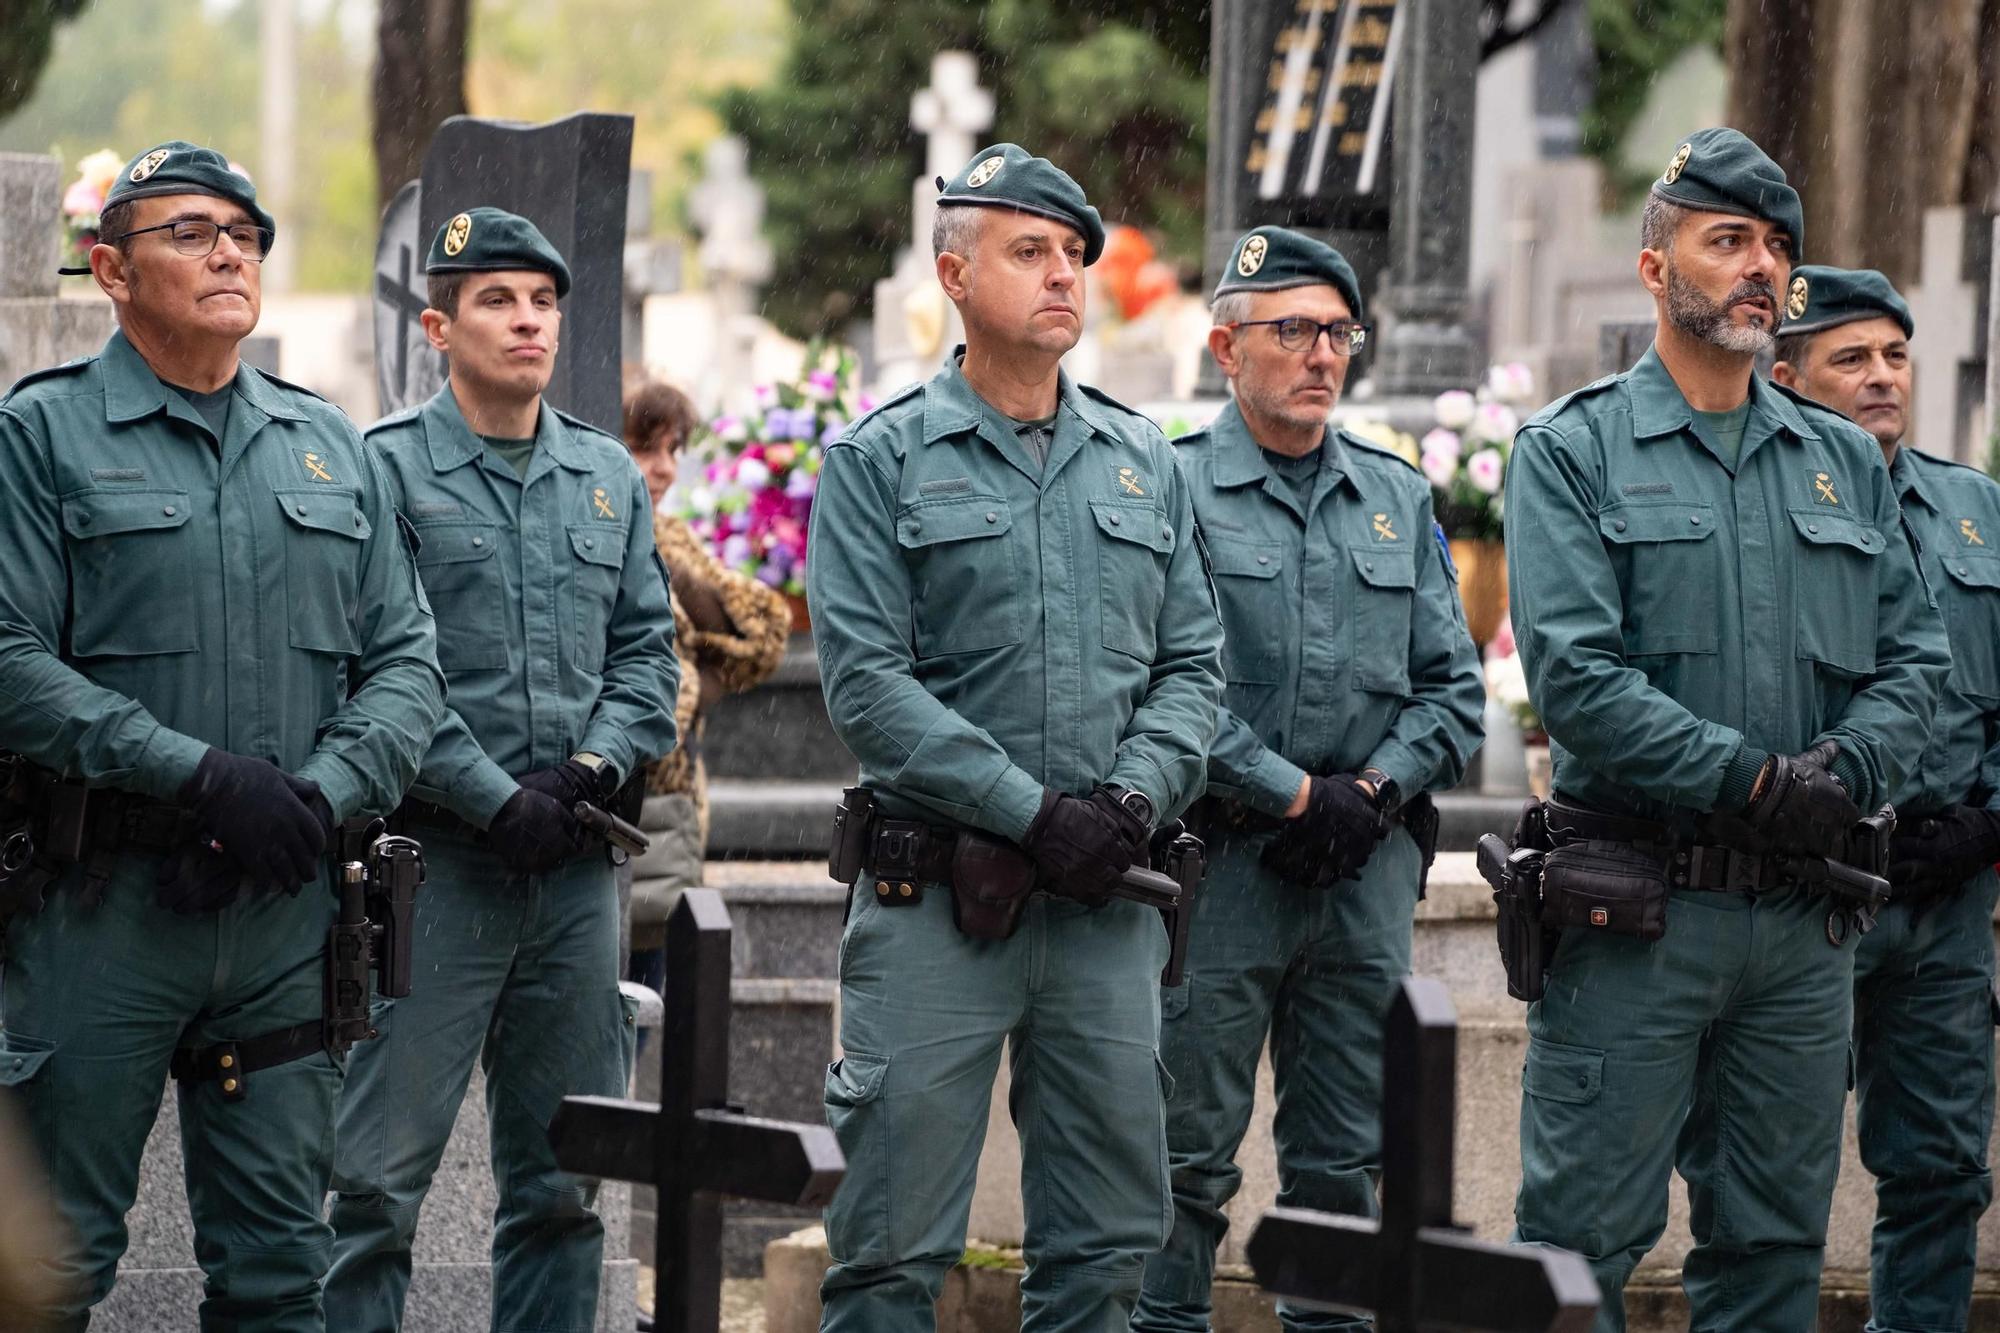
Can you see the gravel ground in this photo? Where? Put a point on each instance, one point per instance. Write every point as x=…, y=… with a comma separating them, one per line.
x=743, y=1305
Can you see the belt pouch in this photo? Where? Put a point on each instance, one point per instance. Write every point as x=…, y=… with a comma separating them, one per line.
x=990, y=884
x=1610, y=886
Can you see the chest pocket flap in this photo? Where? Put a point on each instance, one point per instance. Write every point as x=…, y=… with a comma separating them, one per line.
x=1246, y=560
x=326, y=511
x=454, y=543
x=1979, y=573
x=1138, y=523
x=102, y=513
x=1825, y=529
x=961, y=518
x=1625, y=524
x=595, y=544
x=1380, y=568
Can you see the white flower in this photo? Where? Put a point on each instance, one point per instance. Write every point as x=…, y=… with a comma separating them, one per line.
x=1484, y=470
x=752, y=475
x=1453, y=409
x=1439, y=457
x=1511, y=383
x=1494, y=421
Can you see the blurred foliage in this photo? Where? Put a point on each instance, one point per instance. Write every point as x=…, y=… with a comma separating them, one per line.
x=1636, y=41
x=1114, y=92
x=27, y=35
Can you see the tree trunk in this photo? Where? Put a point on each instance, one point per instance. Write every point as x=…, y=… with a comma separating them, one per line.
x=419, y=82
x=1874, y=114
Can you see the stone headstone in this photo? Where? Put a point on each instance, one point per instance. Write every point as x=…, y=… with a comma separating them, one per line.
x=38, y=328
x=1949, y=349
x=408, y=369
x=735, y=259
x=570, y=178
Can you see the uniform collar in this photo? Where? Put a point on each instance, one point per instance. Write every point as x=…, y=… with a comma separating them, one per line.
x=132, y=389
x=452, y=443
x=1659, y=407
x=1908, y=478
x=952, y=408
x=1240, y=459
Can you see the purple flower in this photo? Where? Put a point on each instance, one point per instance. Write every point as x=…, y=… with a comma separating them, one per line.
x=801, y=485
x=824, y=384
x=736, y=551
x=834, y=426
x=768, y=575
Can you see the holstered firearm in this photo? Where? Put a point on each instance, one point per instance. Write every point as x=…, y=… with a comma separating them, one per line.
x=1420, y=819
x=1525, y=944
x=853, y=826
x=1184, y=859
x=378, y=880
x=1858, y=881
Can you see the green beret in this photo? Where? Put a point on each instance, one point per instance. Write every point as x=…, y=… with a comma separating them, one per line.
x=1721, y=171
x=1270, y=259
x=177, y=167
x=1822, y=297
x=1005, y=176
x=491, y=240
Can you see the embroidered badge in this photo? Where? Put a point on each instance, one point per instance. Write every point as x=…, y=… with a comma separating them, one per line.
x=1678, y=165
x=316, y=467
x=1822, y=485
x=148, y=164
x=1795, y=301
x=1385, y=530
x=985, y=171
x=1252, y=257
x=457, y=234
x=602, y=501
x=1130, y=482
x=1970, y=531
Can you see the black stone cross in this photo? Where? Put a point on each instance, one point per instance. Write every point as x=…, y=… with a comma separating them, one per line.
x=1416, y=1269
x=696, y=1147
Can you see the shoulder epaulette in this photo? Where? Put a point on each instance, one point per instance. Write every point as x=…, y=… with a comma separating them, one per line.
x=1973, y=468
x=71, y=367
x=393, y=419
x=287, y=384
x=587, y=427
x=1813, y=403
x=1596, y=386
x=904, y=394
x=1109, y=401
x=1379, y=450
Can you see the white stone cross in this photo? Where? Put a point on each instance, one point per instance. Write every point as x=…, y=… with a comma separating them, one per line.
x=950, y=113
x=729, y=207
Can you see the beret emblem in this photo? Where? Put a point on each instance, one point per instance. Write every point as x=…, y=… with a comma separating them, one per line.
x=1795, y=300
x=985, y=171
x=457, y=234
x=148, y=164
x=1252, y=257
x=1678, y=165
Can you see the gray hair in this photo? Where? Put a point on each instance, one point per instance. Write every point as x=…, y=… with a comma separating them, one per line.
x=955, y=229
x=1230, y=308
x=1660, y=223
x=1792, y=347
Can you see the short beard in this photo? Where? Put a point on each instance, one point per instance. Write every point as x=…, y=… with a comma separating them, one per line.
x=1698, y=317
x=1276, y=406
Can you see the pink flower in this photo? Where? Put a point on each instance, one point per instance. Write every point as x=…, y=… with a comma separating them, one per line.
x=823, y=384
x=1485, y=470
x=82, y=199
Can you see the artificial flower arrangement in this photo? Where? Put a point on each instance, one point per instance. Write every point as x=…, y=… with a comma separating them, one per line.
x=752, y=476
x=1465, y=455
x=83, y=201
x=1507, y=683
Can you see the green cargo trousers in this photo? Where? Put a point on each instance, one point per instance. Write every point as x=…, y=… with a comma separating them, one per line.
x=1720, y=1050
x=1312, y=972
x=93, y=1002
x=1074, y=996
x=521, y=973
x=1923, y=1036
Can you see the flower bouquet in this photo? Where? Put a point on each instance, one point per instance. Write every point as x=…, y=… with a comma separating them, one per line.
x=82, y=203
x=751, y=477
x=1465, y=454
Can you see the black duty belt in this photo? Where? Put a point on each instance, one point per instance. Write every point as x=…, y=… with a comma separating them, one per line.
x=904, y=854
x=1706, y=866
x=427, y=815
x=228, y=1064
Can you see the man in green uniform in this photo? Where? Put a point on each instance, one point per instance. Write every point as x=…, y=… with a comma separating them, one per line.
x=1353, y=689
x=212, y=648
x=1019, y=644
x=1923, y=978
x=556, y=635
x=1726, y=634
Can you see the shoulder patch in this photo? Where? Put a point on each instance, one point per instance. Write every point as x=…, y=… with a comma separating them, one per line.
x=74, y=366
x=287, y=384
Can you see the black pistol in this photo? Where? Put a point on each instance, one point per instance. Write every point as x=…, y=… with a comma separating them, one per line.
x=627, y=838
x=1516, y=878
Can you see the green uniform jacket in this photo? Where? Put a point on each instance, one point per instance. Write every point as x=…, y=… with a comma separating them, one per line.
x=1954, y=513
x=1675, y=620
x=986, y=627
x=554, y=626
x=1344, y=643
x=163, y=596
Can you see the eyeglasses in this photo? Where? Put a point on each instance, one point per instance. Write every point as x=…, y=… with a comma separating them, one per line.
x=1296, y=334
x=197, y=239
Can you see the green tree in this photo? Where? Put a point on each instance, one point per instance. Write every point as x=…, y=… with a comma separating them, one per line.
x=27, y=36
x=1114, y=91
x=1636, y=40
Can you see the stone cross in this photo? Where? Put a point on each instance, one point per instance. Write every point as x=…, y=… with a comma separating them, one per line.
x=696, y=1147
x=38, y=328
x=1949, y=347
x=1415, y=1268
x=728, y=206
x=950, y=114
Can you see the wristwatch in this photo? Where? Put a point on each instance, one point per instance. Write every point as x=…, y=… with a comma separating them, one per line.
x=1388, y=796
x=600, y=770
x=1136, y=801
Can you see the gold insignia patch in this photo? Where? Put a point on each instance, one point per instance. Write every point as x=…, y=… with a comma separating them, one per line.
x=602, y=501
x=1385, y=529
x=1823, y=490
x=985, y=171
x=1128, y=482
x=456, y=234
x=1795, y=302
x=148, y=164
x=1678, y=165
x=1252, y=257
x=316, y=468
x=1970, y=531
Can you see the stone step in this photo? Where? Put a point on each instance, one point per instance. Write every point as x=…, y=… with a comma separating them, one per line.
x=779, y=727
x=787, y=917
x=755, y=818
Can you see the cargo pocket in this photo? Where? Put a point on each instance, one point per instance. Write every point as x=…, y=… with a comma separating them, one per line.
x=1174, y=999
x=1834, y=582
x=600, y=558
x=325, y=533
x=1668, y=571
x=468, y=594
x=1557, y=1073
x=130, y=562
x=964, y=588
x=858, y=1219
x=1132, y=574
x=1385, y=583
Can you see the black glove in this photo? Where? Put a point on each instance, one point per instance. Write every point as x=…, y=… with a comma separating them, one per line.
x=567, y=782
x=1939, y=854
x=1801, y=808
x=535, y=832
x=1340, y=829
x=260, y=816
x=1083, y=844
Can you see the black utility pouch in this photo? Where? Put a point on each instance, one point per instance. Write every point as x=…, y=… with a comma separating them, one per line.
x=853, y=821
x=990, y=884
x=1610, y=886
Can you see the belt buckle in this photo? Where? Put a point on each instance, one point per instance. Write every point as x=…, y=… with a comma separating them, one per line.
x=896, y=853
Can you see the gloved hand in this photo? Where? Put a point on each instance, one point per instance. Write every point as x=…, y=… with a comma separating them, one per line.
x=260, y=816
x=567, y=782
x=1799, y=807
x=308, y=791
x=1084, y=843
x=1938, y=854
x=1340, y=829
x=535, y=832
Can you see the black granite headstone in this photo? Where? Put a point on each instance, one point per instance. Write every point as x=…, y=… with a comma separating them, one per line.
x=570, y=178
